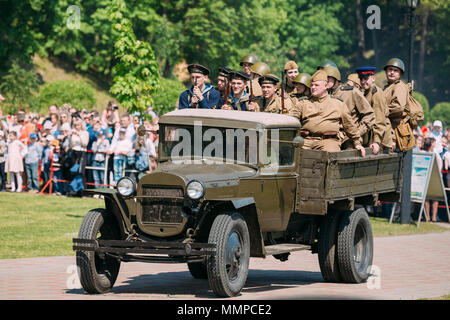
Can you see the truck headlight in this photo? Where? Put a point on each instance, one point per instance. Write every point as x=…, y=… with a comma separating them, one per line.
x=195, y=189
x=126, y=186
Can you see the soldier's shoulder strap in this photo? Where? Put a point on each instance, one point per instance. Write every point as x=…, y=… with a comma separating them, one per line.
x=347, y=88
x=340, y=99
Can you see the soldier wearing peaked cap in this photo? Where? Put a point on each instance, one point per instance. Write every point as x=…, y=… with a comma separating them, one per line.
x=200, y=94
x=248, y=61
x=375, y=96
x=360, y=110
x=270, y=101
x=323, y=117
x=238, y=98
x=223, y=84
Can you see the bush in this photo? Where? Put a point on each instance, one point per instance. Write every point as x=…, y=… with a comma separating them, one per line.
x=441, y=111
x=167, y=95
x=425, y=105
x=78, y=94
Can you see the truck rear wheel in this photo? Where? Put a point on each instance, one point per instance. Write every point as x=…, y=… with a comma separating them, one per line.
x=327, y=250
x=97, y=273
x=355, y=246
x=228, y=267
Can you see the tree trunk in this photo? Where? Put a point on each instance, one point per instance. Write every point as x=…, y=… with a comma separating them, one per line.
x=360, y=30
x=423, y=48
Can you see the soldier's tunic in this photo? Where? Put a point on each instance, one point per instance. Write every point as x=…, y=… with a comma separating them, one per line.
x=275, y=106
x=241, y=103
x=257, y=91
x=322, y=119
x=382, y=128
x=396, y=99
x=360, y=110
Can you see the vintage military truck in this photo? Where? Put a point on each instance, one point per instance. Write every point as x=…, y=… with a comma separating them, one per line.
x=231, y=185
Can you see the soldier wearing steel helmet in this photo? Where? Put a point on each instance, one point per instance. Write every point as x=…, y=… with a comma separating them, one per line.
x=248, y=61
x=396, y=91
x=360, y=110
x=257, y=70
x=323, y=117
x=302, y=83
x=326, y=63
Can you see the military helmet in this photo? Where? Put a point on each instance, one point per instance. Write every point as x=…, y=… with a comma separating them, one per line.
x=395, y=62
x=326, y=63
x=333, y=72
x=250, y=58
x=260, y=68
x=303, y=78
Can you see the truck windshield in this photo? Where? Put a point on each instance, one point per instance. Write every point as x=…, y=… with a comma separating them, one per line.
x=185, y=144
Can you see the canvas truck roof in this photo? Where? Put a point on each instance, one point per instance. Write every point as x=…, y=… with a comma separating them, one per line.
x=229, y=119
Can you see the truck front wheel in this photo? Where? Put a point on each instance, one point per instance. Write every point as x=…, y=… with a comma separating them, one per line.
x=97, y=273
x=228, y=267
x=355, y=246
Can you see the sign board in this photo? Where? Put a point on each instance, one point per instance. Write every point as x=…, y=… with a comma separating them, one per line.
x=426, y=182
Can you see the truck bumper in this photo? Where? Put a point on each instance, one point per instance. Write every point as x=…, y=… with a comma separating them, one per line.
x=154, y=252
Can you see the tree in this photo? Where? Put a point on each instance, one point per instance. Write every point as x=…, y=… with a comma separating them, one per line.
x=18, y=87
x=136, y=75
x=441, y=111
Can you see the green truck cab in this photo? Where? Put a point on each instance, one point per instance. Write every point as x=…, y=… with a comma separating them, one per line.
x=231, y=185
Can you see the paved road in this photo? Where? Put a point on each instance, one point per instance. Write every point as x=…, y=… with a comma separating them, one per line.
x=406, y=267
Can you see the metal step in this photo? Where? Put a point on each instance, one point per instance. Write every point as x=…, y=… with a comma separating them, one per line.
x=285, y=247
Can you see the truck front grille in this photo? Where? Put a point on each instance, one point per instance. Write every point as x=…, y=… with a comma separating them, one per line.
x=161, y=207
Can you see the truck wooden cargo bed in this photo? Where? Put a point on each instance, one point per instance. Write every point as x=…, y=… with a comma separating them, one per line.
x=341, y=180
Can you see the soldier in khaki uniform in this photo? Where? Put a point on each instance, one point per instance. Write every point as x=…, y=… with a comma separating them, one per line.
x=257, y=70
x=396, y=91
x=302, y=84
x=270, y=101
x=375, y=96
x=248, y=61
x=290, y=72
x=353, y=80
x=322, y=117
x=238, y=98
x=360, y=110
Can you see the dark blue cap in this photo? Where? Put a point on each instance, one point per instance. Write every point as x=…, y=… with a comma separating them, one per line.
x=365, y=70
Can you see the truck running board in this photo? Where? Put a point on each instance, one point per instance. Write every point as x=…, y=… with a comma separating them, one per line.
x=285, y=248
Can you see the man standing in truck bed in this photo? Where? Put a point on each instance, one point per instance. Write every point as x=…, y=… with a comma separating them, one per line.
x=323, y=116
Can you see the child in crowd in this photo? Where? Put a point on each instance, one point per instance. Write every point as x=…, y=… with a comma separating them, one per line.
x=2, y=162
x=14, y=161
x=32, y=158
x=99, y=149
x=120, y=149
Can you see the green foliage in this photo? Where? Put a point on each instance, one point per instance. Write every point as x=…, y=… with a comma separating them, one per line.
x=78, y=94
x=136, y=75
x=425, y=105
x=441, y=111
x=167, y=95
x=18, y=86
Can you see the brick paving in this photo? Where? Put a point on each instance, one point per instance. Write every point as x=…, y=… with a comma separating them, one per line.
x=406, y=267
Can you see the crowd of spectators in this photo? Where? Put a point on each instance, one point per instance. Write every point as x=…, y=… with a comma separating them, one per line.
x=434, y=138
x=67, y=145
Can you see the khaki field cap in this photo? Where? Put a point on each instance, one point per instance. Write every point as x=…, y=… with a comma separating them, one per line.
x=355, y=78
x=290, y=65
x=333, y=72
x=319, y=75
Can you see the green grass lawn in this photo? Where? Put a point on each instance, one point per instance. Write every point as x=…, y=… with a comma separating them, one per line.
x=37, y=226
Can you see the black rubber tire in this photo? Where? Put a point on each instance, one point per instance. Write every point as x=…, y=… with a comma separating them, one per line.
x=228, y=267
x=355, y=246
x=97, y=275
x=198, y=270
x=327, y=247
